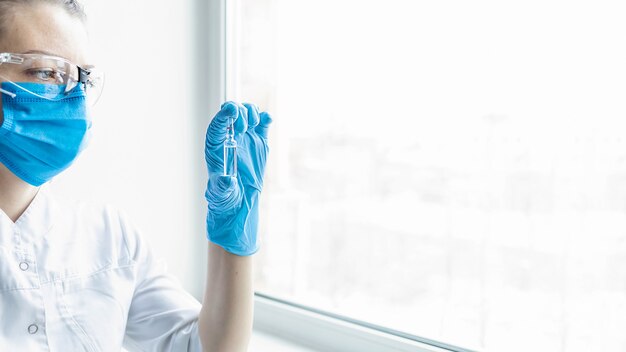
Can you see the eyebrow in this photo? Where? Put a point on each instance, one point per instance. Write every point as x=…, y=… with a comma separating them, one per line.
x=43, y=52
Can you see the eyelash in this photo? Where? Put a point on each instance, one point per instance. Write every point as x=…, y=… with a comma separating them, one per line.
x=50, y=73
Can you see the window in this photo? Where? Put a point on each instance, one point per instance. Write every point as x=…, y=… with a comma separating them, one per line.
x=454, y=170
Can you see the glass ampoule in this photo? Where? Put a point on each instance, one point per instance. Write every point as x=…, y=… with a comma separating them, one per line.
x=230, y=150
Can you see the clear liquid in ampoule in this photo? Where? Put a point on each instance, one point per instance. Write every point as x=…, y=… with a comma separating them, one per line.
x=230, y=154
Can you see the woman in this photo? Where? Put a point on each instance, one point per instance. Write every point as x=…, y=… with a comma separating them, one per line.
x=80, y=277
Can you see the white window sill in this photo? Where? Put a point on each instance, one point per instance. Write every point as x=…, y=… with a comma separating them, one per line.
x=298, y=328
x=262, y=342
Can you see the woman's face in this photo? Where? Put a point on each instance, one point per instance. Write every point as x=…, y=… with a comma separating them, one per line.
x=46, y=29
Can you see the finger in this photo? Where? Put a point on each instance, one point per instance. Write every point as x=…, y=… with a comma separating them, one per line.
x=216, y=133
x=264, y=123
x=241, y=125
x=253, y=115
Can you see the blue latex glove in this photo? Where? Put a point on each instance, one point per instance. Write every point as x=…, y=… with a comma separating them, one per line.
x=233, y=214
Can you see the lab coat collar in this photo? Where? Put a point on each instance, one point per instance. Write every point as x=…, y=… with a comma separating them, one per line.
x=33, y=224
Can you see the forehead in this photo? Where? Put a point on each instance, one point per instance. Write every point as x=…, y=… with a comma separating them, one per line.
x=46, y=28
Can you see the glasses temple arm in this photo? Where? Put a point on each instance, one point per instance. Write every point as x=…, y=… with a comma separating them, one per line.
x=83, y=75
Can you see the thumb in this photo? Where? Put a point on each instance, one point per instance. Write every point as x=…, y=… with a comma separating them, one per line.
x=223, y=194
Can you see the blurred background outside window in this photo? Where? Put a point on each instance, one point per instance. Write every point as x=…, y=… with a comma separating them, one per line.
x=455, y=170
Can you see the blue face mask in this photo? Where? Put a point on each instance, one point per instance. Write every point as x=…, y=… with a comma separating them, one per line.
x=40, y=138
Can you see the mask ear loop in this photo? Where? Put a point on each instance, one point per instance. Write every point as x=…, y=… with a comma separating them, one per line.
x=11, y=94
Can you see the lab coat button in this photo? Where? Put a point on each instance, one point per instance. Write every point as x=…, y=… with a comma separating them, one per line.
x=32, y=328
x=24, y=266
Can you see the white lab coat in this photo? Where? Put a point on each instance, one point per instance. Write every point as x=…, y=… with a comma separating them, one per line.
x=79, y=277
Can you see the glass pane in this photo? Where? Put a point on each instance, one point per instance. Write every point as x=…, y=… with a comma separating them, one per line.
x=452, y=169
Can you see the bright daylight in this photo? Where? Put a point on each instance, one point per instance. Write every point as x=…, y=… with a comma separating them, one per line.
x=455, y=170
x=312, y=176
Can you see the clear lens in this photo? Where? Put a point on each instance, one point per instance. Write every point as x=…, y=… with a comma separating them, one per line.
x=40, y=69
x=94, y=86
x=50, y=71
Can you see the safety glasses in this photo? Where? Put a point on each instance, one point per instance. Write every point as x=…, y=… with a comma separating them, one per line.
x=52, y=70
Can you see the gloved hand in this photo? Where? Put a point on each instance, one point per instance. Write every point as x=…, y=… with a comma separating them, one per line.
x=233, y=214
